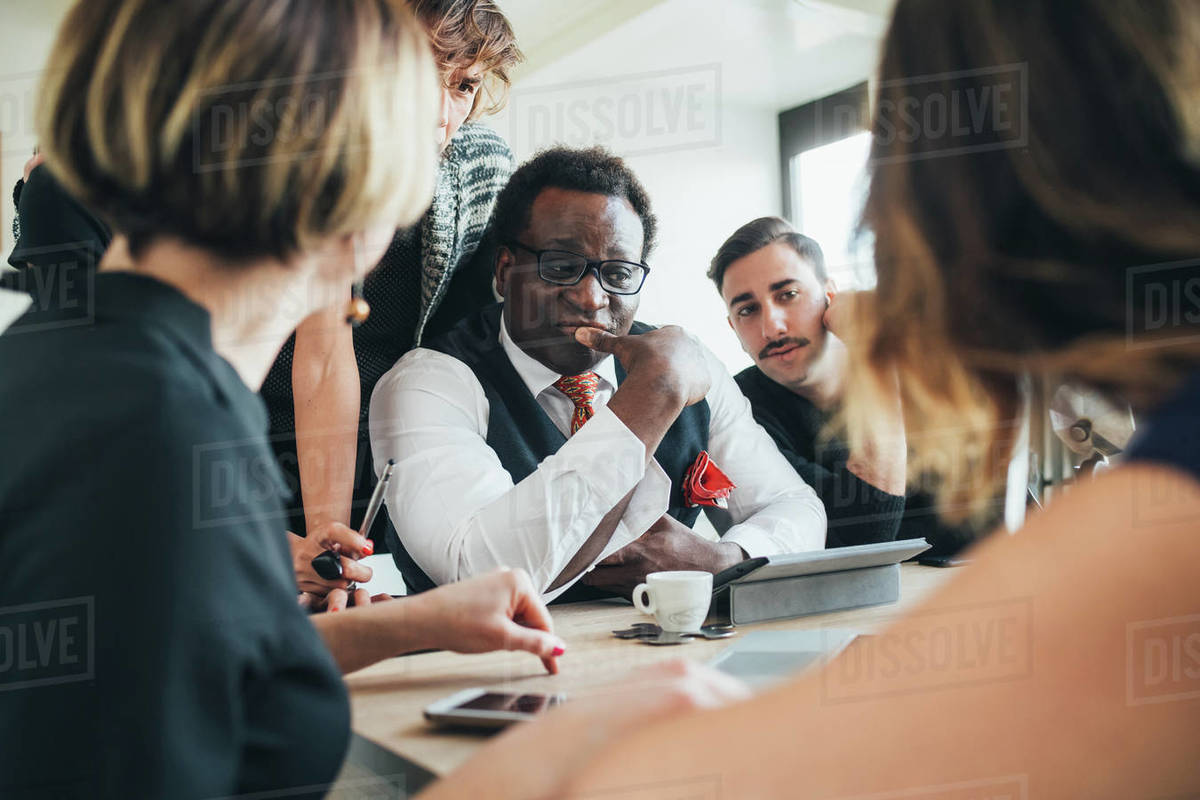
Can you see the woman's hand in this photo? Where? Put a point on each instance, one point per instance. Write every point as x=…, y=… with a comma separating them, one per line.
x=339, y=599
x=348, y=544
x=497, y=611
x=568, y=737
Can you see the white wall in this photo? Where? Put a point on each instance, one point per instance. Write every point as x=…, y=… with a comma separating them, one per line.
x=661, y=91
x=26, y=35
x=688, y=90
x=698, y=85
x=700, y=198
x=703, y=185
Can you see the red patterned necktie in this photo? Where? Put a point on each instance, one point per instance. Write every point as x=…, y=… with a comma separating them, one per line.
x=581, y=389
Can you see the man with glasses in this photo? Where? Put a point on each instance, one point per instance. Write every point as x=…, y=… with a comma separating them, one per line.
x=517, y=445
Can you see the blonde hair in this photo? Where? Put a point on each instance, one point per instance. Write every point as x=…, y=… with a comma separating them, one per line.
x=1025, y=259
x=250, y=128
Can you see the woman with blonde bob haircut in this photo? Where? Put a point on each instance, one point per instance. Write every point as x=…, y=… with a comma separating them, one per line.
x=254, y=159
x=1063, y=663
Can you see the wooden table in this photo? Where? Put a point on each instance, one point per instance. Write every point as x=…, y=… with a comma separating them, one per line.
x=387, y=699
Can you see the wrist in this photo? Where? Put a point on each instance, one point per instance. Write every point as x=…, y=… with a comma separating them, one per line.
x=658, y=385
x=727, y=554
x=317, y=521
x=420, y=621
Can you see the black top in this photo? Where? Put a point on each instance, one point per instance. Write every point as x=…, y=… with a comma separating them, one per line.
x=858, y=512
x=1170, y=434
x=56, y=254
x=146, y=577
x=394, y=293
x=523, y=436
x=54, y=226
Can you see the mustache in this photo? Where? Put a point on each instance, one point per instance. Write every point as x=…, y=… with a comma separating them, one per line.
x=782, y=344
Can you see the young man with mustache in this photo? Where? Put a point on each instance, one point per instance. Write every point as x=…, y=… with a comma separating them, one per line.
x=555, y=433
x=783, y=308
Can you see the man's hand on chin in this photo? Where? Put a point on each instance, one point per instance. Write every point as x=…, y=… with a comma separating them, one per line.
x=668, y=545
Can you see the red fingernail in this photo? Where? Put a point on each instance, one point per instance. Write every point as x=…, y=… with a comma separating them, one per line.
x=368, y=548
x=558, y=651
x=332, y=610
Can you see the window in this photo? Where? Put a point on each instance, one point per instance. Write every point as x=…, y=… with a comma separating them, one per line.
x=828, y=189
x=824, y=149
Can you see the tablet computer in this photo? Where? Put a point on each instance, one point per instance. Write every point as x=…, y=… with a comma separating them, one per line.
x=841, y=558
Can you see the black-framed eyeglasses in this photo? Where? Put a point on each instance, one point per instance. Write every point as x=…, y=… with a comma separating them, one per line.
x=564, y=268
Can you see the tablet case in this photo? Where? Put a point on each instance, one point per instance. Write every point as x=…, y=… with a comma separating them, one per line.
x=800, y=584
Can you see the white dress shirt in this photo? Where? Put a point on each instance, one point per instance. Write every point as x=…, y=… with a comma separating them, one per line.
x=459, y=514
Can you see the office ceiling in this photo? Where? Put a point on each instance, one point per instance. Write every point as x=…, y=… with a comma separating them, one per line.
x=773, y=53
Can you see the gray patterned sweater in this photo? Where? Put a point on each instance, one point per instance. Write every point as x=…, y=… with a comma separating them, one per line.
x=412, y=279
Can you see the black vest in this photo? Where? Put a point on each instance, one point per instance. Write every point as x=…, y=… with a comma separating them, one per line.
x=523, y=435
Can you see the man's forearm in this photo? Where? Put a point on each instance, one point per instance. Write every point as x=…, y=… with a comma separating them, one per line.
x=462, y=513
x=648, y=411
x=648, y=407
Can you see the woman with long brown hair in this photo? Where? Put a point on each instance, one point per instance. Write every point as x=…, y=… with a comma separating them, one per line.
x=1044, y=242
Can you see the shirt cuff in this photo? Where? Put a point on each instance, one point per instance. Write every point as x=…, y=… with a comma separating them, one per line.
x=753, y=540
x=651, y=499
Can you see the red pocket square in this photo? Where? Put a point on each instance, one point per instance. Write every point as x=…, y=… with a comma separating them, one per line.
x=704, y=484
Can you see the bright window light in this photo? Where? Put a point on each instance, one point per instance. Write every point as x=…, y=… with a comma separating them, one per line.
x=829, y=186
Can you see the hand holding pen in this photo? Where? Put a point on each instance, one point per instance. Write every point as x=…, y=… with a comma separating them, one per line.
x=326, y=562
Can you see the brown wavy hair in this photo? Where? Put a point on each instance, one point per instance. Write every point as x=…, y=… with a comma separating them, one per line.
x=1027, y=248
x=468, y=32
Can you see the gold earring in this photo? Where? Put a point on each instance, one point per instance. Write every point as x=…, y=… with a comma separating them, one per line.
x=358, y=309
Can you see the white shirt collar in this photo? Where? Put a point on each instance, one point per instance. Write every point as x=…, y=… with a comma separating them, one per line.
x=536, y=375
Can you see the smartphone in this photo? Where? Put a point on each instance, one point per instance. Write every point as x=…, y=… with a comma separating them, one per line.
x=480, y=708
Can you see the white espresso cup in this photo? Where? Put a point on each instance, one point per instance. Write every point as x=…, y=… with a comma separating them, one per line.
x=678, y=600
